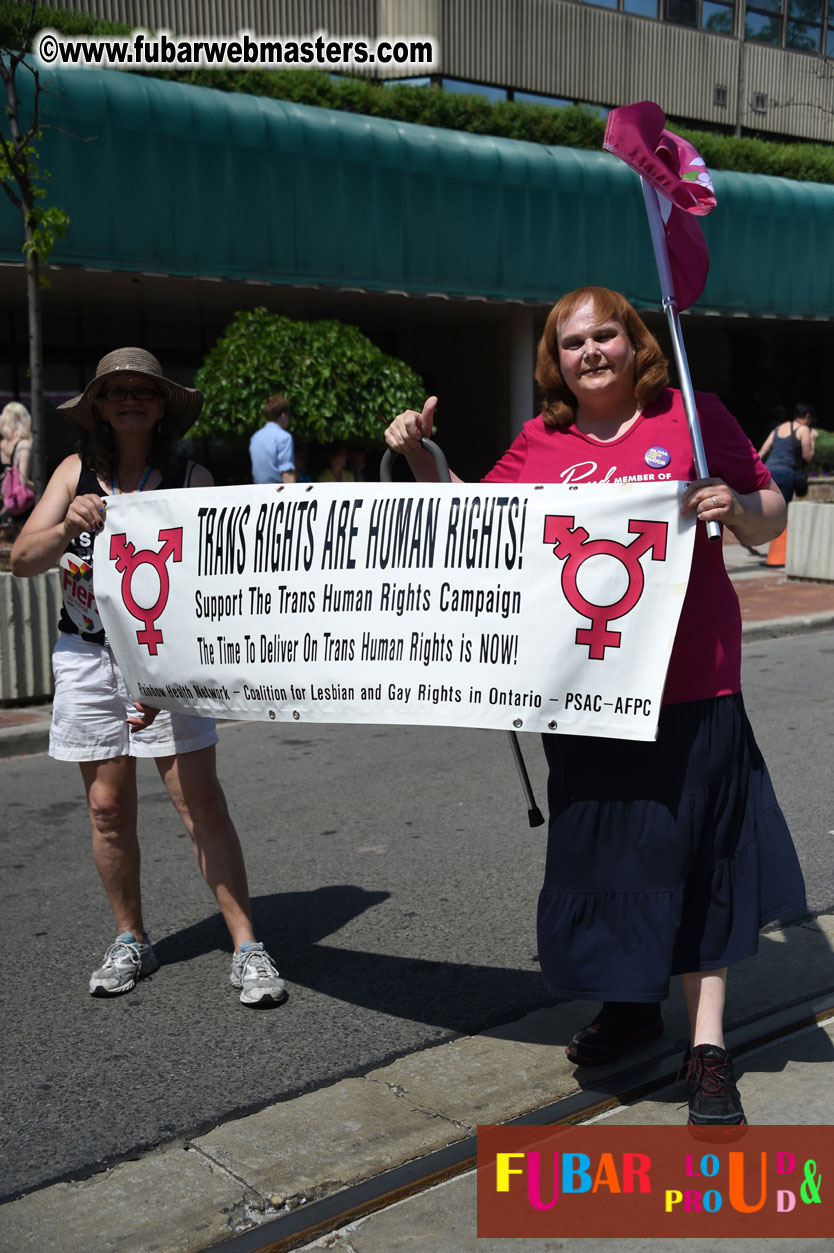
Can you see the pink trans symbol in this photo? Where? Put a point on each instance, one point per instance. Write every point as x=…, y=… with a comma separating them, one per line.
x=128, y=561
x=572, y=545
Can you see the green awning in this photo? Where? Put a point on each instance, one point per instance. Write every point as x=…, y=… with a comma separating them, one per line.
x=165, y=178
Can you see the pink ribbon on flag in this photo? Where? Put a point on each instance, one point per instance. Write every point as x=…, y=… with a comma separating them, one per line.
x=635, y=133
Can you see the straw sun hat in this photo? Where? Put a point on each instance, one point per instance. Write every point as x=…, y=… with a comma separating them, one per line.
x=182, y=404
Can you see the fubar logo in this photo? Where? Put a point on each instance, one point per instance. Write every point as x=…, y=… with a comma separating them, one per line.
x=128, y=561
x=607, y=1181
x=573, y=546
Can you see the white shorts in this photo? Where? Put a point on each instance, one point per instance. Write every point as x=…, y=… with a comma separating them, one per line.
x=91, y=704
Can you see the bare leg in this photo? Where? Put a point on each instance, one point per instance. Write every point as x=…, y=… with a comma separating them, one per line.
x=705, y=992
x=111, y=801
x=192, y=783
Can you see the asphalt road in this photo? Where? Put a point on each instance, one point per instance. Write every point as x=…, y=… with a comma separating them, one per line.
x=393, y=873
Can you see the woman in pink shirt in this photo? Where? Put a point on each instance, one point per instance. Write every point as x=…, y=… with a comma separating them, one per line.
x=668, y=857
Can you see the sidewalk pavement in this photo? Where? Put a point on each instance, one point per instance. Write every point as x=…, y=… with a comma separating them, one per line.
x=771, y=605
x=279, y=1163
x=793, y=1073
x=322, y=1146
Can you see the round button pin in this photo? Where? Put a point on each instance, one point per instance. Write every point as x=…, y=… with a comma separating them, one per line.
x=657, y=457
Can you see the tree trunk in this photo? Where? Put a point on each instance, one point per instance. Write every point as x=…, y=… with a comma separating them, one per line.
x=33, y=294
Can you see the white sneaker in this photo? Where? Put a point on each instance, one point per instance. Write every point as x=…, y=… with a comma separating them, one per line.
x=126, y=961
x=255, y=973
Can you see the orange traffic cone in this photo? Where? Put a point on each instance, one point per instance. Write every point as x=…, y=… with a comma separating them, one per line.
x=776, y=551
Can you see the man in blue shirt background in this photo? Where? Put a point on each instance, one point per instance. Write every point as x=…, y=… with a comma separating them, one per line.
x=271, y=448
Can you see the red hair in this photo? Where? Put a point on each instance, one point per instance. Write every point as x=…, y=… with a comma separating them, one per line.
x=651, y=373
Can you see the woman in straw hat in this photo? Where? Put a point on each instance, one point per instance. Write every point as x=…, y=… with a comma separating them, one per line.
x=130, y=417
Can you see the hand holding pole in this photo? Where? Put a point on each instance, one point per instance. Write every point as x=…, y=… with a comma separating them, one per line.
x=670, y=308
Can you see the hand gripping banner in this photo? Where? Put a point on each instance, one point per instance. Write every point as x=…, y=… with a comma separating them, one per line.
x=518, y=607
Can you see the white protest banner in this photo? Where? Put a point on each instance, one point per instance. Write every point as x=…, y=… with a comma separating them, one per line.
x=527, y=607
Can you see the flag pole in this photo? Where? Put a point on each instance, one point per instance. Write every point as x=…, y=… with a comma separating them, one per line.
x=670, y=308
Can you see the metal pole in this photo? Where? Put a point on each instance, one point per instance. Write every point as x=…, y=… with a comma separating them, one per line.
x=670, y=308
x=534, y=814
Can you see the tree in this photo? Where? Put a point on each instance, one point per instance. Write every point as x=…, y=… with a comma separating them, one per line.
x=22, y=181
x=342, y=388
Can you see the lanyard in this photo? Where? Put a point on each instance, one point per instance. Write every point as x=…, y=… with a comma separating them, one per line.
x=117, y=491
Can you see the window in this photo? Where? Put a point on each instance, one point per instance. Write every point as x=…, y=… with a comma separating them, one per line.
x=719, y=95
x=717, y=17
x=682, y=12
x=533, y=97
x=474, y=89
x=806, y=10
x=804, y=28
x=803, y=37
x=645, y=8
x=801, y=25
x=763, y=28
x=423, y=81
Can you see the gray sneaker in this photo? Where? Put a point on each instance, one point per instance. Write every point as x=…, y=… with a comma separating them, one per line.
x=126, y=961
x=255, y=973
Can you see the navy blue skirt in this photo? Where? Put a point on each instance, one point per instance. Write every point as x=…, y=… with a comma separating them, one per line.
x=662, y=858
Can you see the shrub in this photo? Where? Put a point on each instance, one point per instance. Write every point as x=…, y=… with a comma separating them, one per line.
x=14, y=15
x=340, y=385
x=823, y=462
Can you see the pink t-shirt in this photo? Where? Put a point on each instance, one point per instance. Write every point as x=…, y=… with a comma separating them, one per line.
x=706, y=657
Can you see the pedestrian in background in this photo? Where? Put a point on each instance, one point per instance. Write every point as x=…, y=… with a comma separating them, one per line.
x=336, y=470
x=130, y=417
x=357, y=456
x=788, y=449
x=16, y=452
x=271, y=447
x=666, y=857
x=807, y=413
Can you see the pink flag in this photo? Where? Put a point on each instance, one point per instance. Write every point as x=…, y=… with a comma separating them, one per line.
x=635, y=134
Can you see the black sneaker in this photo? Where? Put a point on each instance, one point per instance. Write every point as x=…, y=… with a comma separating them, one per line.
x=713, y=1096
x=619, y=1026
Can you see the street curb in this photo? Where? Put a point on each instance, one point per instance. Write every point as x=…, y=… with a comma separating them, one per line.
x=28, y=740
x=24, y=741
x=773, y=628
x=31, y=738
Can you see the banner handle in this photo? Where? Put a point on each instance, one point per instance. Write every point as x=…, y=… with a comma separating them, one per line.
x=440, y=461
x=534, y=814
x=670, y=308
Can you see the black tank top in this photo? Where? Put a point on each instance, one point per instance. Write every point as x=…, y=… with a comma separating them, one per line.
x=79, y=615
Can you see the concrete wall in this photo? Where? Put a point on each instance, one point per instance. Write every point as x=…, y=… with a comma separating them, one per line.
x=810, y=545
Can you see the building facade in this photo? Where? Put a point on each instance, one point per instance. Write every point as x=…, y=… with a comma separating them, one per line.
x=758, y=66
x=447, y=249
